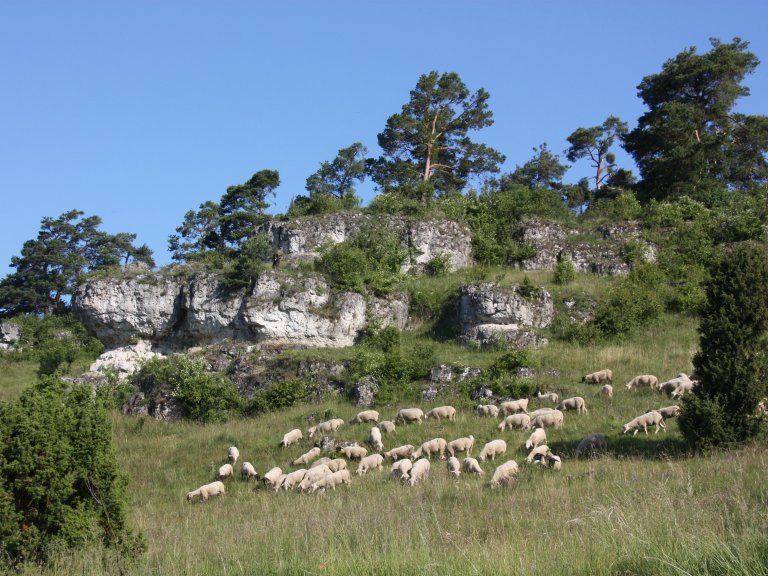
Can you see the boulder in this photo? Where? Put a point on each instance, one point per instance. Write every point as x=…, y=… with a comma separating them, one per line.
x=10, y=334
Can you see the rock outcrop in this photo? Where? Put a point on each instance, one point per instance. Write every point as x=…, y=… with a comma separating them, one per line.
x=9, y=335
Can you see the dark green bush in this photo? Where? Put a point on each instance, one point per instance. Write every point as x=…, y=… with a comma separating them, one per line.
x=565, y=273
x=53, y=341
x=440, y=265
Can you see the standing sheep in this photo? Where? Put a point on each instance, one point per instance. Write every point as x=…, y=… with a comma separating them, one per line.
x=576, y=403
x=643, y=380
x=419, y=472
x=540, y=411
x=551, y=461
x=599, y=376
x=293, y=479
x=471, y=466
x=670, y=411
x=225, y=471
x=320, y=462
x=312, y=476
x=400, y=469
x=434, y=446
x=551, y=396
x=365, y=416
x=375, y=439
x=492, y=449
x=248, y=471
x=504, y=475
x=232, y=455
x=537, y=453
x=554, y=418
x=441, y=412
x=651, y=418
x=212, y=489
x=326, y=427
x=400, y=452
x=488, y=410
x=387, y=426
x=521, y=421
x=539, y=436
x=409, y=415
x=332, y=480
x=354, y=452
x=369, y=463
x=291, y=438
x=271, y=477
x=454, y=468
x=307, y=457
x=337, y=464
x=591, y=445
x=513, y=406
x=461, y=445
x=606, y=390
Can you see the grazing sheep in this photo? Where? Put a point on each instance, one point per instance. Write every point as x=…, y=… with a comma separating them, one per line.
x=504, y=475
x=307, y=457
x=671, y=385
x=606, y=390
x=400, y=452
x=472, y=466
x=539, y=412
x=454, y=468
x=651, y=418
x=225, y=471
x=513, y=406
x=551, y=396
x=369, y=463
x=488, y=410
x=337, y=464
x=419, y=472
x=320, y=462
x=538, y=453
x=576, y=403
x=670, y=411
x=387, y=426
x=375, y=439
x=539, y=436
x=554, y=418
x=354, y=452
x=279, y=482
x=599, y=376
x=248, y=471
x=461, y=445
x=492, y=449
x=521, y=421
x=312, y=476
x=212, y=489
x=591, y=445
x=291, y=438
x=643, y=380
x=551, y=461
x=409, y=415
x=400, y=469
x=326, y=427
x=293, y=479
x=434, y=446
x=232, y=455
x=684, y=387
x=271, y=477
x=441, y=412
x=365, y=416
x=332, y=480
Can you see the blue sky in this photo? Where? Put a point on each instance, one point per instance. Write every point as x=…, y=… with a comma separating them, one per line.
x=139, y=111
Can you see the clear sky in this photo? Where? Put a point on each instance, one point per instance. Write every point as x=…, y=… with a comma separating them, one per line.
x=139, y=111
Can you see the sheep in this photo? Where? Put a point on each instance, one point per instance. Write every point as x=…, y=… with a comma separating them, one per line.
x=326, y=427
x=369, y=463
x=354, y=452
x=671, y=385
x=461, y=445
x=279, y=482
x=521, y=421
x=539, y=412
x=447, y=412
x=225, y=471
x=648, y=380
x=387, y=426
x=419, y=472
x=575, y=403
x=472, y=466
x=212, y=489
x=606, y=390
x=365, y=416
x=539, y=436
x=337, y=464
x=291, y=438
x=332, y=480
x=684, y=387
x=492, y=449
x=248, y=471
x=400, y=469
x=537, y=453
x=293, y=479
x=400, y=452
x=512, y=406
x=591, y=445
x=409, y=415
x=551, y=396
x=670, y=411
x=375, y=439
x=488, y=410
x=504, y=474
x=271, y=477
x=454, y=468
x=599, y=376
x=651, y=418
x=307, y=457
x=232, y=455
x=434, y=446
x=312, y=476
x=320, y=462
x=554, y=418
x=551, y=461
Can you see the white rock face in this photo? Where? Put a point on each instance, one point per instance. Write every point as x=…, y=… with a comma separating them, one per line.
x=126, y=359
x=9, y=335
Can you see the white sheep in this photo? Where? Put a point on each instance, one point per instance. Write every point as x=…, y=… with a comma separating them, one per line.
x=332, y=480
x=337, y=464
x=271, y=477
x=409, y=415
x=461, y=445
x=369, y=463
x=670, y=411
x=400, y=452
x=591, y=445
x=454, y=468
x=293, y=479
x=488, y=410
x=312, y=476
x=326, y=427
x=279, y=482
x=606, y=390
x=537, y=453
x=551, y=396
x=684, y=387
x=554, y=418
x=365, y=416
x=539, y=412
x=419, y=472
x=291, y=438
x=492, y=449
x=644, y=380
x=400, y=469
x=551, y=461
x=605, y=375
x=307, y=457
x=504, y=474
x=512, y=421
x=671, y=385
x=434, y=446
x=320, y=462
x=575, y=403
x=441, y=412
x=651, y=418
x=375, y=439
x=472, y=466
x=212, y=489
x=354, y=452
x=539, y=436
x=248, y=471
x=225, y=471
x=232, y=455
x=387, y=426
x=513, y=406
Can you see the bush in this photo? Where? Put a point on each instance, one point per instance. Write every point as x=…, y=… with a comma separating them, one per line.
x=53, y=341
x=440, y=265
x=565, y=273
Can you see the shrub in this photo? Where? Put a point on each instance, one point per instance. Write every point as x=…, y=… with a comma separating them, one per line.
x=565, y=273
x=439, y=265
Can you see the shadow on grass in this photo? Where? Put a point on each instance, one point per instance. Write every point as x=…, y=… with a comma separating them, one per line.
x=652, y=447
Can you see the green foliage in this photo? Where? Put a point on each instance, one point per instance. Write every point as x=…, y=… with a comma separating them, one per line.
x=384, y=339
x=508, y=363
x=321, y=204
x=544, y=170
x=624, y=207
x=565, y=273
x=335, y=179
x=439, y=265
x=242, y=207
x=595, y=143
x=279, y=396
x=251, y=260
x=628, y=306
x=198, y=234
x=396, y=202
x=527, y=288
x=61, y=485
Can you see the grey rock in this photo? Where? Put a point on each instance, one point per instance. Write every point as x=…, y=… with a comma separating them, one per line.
x=441, y=373
x=365, y=391
x=482, y=392
x=10, y=334
x=135, y=405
